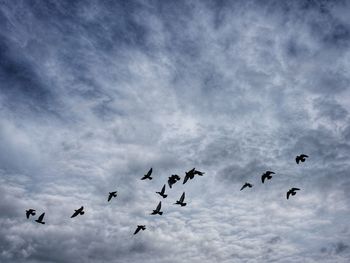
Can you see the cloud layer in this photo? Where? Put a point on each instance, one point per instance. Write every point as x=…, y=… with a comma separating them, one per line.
x=94, y=93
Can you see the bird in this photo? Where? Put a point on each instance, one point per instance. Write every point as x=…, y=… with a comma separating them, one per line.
x=246, y=185
x=301, y=158
x=173, y=179
x=40, y=219
x=191, y=173
x=267, y=175
x=77, y=212
x=292, y=191
x=112, y=194
x=139, y=227
x=181, y=201
x=157, y=210
x=30, y=212
x=162, y=192
x=148, y=175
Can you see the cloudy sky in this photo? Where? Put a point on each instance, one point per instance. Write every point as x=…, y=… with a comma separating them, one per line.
x=94, y=93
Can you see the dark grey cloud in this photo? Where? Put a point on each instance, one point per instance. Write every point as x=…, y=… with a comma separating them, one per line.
x=93, y=94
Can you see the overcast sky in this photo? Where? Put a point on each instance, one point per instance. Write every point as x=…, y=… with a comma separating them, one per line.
x=94, y=93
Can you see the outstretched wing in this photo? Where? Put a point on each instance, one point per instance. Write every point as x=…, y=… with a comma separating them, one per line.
x=182, y=198
x=186, y=178
x=288, y=194
x=27, y=213
x=110, y=196
x=244, y=186
x=304, y=156
x=263, y=178
x=159, y=206
x=163, y=189
x=295, y=189
x=75, y=214
x=137, y=230
x=149, y=172
x=41, y=217
x=297, y=160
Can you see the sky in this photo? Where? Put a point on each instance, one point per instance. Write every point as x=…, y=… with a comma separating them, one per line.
x=95, y=93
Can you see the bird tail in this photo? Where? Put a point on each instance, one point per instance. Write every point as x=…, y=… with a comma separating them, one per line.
x=160, y=213
x=183, y=204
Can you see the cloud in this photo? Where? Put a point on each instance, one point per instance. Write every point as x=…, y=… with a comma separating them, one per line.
x=95, y=93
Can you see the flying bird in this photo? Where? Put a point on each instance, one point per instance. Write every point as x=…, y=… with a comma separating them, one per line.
x=173, y=179
x=191, y=173
x=162, y=192
x=267, y=175
x=148, y=175
x=246, y=185
x=157, y=211
x=78, y=212
x=139, y=227
x=301, y=158
x=112, y=194
x=292, y=191
x=30, y=212
x=40, y=219
x=181, y=201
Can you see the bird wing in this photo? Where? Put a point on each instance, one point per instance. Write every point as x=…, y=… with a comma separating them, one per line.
x=149, y=172
x=110, y=196
x=170, y=182
x=163, y=189
x=295, y=189
x=304, y=156
x=186, y=178
x=137, y=230
x=297, y=160
x=159, y=206
x=80, y=209
x=288, y=193
x=182, y=198
x=41, y=217
x=244, y=186
x=75, y=214
x=27, y=213
x=263, y=178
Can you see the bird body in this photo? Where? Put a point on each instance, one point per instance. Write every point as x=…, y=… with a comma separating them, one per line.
x=181, y=200
x=139, y=227
x=78, y=212
x=301, y=158
x=162, y=192
x=157, y=210
x=292, y=191
x=267, y=175
x=30, y=212
x=148, y=175
x=40, y=219
x=111, y=195
x=246, y=185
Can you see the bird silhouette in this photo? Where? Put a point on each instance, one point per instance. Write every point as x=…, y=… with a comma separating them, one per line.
x=30, y=212
x=112, y=194
x=292, y=191
x=148, y=175
x=181, y=201
x=301, y=158
x=157, y=210
x=267, y=175
x=246, y=185
x=191, y=173
x=173, y=179
x=139, y=227
x=78, y=212
x=40, y=219
x=162, y=192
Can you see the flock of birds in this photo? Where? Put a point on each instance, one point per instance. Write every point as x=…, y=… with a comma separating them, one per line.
x=171, y=181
